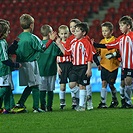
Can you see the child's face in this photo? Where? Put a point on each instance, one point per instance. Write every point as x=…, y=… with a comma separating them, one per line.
x=63, y=34
x=106, y=32
x=72, y=27
x=124, y=28
x=78, y=33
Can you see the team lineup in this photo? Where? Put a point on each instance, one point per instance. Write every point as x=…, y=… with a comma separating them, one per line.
x=69, y=52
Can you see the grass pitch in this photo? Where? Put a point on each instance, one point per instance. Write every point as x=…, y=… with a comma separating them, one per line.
x=69, y=121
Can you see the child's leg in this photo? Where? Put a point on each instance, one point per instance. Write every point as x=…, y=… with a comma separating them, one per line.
x=24, y=96
x=6, y=96
x=74, y=94
x=89, y=97
x=35, y=95
x=50, y=93
x=114, y=102
x=103, y=95
x=82, y=97
x=12, y=101
x=43, y=99
x=50, y=97
x=1, y=103
x=62, y=94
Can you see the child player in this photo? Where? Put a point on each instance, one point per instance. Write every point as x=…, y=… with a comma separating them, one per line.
x=48, y=69
x=109, y=66
x=29, y=48
x=64, y=66
x=124, y=44
x=81, y=51
x=5, y=65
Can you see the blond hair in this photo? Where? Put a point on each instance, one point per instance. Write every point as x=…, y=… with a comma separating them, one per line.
x=64, y=27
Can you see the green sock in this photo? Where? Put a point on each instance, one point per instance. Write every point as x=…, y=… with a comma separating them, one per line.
x=24, y=96
x=7, y=98
x=35, y=95
x=50, y=99
x=43, y=99
x=1, y=102
x=12, y=101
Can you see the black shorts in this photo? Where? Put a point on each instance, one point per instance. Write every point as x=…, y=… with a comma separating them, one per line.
x=81, y=76
x=128, y=73
x=109, y=77
x=67, y=73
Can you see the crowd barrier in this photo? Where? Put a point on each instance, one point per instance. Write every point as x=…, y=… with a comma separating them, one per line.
x=95, y=82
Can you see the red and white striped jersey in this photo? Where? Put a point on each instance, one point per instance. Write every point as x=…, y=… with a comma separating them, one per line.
x=64, y=58
x=93, y=49
x=81, y=51
x=125, y=45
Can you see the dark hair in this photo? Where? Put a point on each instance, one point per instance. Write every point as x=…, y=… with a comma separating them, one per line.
x=5, y=21
x=75, y=20
x=126, y=20
x=83, y=27
x=108, y=24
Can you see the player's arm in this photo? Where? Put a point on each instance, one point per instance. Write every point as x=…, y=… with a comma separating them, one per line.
x=11, y=64
x=112, y=45
x=52, y=37
x=95, y=58
x=98, y=45
x=12, y=48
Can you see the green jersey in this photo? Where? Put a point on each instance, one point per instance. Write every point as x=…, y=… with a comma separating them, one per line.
x=4, y=70
x=47, y=60
x=29, y=47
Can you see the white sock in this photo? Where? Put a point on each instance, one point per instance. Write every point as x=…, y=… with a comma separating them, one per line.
x=62, y=94
x=75, y=92
x=103, y=95
x=114, y=95
x=128, y=93
x=122, y=93
x=82, y=97
x=89, y=91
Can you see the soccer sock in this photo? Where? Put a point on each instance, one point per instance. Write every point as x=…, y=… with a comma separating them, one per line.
x=103, y=95
x=62, y=94
x=75, y=92
x=89, y=92
x=128, y=93
x=122, y=93
x=1, y=102
x=43, y=99
x=6, y=98
x=114, y=98
x=35, y=95
x=82, y=97
x=50, y=99
x=12, y=101
x=24, y=96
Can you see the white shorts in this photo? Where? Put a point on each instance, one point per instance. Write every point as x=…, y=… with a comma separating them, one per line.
x=29, y=74
x=7, y=81
x=47, y=83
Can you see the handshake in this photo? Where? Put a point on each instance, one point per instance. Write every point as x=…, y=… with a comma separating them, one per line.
x=12, y=48
x=111, y=55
